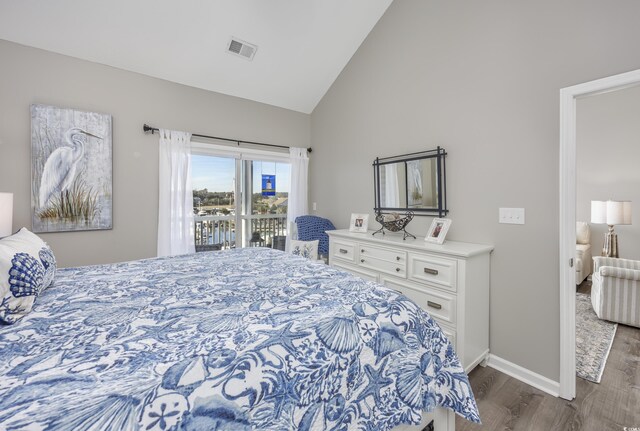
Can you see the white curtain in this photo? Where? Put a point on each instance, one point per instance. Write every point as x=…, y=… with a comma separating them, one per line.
x=298, y=195
x=175, y=206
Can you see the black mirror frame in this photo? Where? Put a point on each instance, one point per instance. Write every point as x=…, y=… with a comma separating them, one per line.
x=441, y=179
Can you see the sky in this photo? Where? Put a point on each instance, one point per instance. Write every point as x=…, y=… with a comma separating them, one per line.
x=216, y=174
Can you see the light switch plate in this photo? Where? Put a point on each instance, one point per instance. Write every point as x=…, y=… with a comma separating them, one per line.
x=511, y=215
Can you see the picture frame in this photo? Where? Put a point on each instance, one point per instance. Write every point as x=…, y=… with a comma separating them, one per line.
x=71, y=170
x=438, y=230
x=359, y=223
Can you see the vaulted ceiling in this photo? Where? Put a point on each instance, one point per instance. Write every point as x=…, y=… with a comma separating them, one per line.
x=303, y=45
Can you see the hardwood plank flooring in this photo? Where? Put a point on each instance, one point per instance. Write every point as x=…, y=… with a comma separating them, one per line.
x=508, y=404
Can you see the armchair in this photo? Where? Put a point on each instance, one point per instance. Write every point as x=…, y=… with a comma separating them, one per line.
x=583, y=251
x=615, y=292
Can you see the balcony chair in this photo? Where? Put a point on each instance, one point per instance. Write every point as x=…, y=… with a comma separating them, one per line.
x=615, y=292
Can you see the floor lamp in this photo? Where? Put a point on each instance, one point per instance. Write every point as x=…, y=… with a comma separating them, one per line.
x=6, y=214
x=610, y=213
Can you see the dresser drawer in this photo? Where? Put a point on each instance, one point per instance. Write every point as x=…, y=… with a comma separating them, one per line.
x=381, y=253
x=435, y=270
x=440, y=305
x=362, y=273
x=398, y=269
x=343, y=250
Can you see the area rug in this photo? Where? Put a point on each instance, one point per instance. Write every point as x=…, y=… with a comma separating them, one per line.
x=594, y=338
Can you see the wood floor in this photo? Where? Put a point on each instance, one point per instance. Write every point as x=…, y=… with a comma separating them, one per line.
x=508, y=404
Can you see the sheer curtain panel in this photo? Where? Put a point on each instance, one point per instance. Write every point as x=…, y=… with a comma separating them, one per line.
x=175, y=200
x=298, y=195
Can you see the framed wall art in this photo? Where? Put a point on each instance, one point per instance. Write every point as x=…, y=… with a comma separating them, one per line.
x=71, y=170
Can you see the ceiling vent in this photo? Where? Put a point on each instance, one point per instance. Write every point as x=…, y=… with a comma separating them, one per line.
x=241, y=48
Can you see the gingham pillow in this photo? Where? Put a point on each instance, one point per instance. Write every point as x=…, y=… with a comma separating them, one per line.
x=27, y=267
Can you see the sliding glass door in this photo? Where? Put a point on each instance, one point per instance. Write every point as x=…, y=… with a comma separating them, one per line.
x=239, y=198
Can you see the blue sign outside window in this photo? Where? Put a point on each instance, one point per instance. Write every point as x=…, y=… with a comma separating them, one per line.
x=268, y=185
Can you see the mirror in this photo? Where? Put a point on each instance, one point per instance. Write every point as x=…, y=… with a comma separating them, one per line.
x=411, y=182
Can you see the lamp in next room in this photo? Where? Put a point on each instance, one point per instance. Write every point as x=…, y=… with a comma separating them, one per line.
x=610, y=213
x=6, y=214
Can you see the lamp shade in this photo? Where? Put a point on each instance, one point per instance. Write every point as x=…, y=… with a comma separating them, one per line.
x=598, y=212
x=6, y=214
x=611, y=212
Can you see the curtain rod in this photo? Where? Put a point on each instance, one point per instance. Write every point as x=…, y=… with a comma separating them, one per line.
x=146, y=128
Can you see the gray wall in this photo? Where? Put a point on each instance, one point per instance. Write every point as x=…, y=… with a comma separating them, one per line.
x=29, y=75
x=481, y=79
x=608, y=153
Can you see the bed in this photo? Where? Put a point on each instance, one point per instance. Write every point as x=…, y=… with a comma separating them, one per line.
x=233, y=340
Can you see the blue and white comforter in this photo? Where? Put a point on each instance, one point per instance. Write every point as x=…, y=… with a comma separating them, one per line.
x=233, y=340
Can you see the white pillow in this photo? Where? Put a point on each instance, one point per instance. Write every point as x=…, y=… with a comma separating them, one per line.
x=583, y=233
x=27, y=267
x=308, y=249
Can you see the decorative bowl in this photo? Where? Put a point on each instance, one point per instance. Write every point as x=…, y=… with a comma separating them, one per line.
x=394, y=224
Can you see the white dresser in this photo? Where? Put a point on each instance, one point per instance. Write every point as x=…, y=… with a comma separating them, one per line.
x=450, y=281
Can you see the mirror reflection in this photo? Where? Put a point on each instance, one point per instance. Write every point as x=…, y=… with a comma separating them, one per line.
x=411, y=184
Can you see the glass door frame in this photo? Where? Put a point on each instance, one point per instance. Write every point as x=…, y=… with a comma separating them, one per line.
x=204, y=147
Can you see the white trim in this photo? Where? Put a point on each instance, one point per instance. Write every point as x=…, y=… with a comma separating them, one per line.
x=483, y=357
x=207, y=148
x=524, y=375
x=567, y=213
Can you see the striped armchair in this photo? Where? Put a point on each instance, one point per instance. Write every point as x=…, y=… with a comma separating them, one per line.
x=615, y=292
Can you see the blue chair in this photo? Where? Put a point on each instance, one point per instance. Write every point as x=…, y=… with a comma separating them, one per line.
x=311, y=228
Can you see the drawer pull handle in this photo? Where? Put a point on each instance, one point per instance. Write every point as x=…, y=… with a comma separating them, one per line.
x=362, y=250
x=431, y=271
x=343, y=251
x=434, y=305
x=362, y=260
x=397, y=269
x=397, y=257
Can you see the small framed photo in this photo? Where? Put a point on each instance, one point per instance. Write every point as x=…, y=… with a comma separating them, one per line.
x=359, y=223
x=438, y=230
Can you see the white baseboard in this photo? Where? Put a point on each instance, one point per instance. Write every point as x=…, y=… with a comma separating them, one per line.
x=524, y=375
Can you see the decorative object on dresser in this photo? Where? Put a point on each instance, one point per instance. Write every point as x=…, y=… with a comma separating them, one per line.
x=450, y=281
x=359, y=223
x=71, y=185
x=394, y=223
x=6, y=214
x=411, y=182
x=438, y=230
x=610, y=213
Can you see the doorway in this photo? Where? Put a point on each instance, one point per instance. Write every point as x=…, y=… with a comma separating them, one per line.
x=568, y=98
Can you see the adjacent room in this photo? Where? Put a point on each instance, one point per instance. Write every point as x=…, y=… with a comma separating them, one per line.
x=399, y=215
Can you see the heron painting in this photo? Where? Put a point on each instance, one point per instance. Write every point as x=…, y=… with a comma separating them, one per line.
x=71, y=185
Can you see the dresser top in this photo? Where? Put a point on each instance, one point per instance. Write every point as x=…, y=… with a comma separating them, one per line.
x=452, y=248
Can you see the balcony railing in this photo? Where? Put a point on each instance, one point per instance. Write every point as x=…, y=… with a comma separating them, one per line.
x=260, y=230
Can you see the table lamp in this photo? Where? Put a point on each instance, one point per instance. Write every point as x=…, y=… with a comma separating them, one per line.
x=610, y=213
x=6, y=214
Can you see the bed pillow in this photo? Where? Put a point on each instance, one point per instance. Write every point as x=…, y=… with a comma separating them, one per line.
x=27, y=267
x=308, y=249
